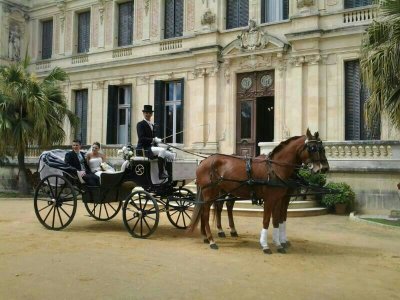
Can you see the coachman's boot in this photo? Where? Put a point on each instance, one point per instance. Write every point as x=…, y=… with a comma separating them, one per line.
x=161, y=174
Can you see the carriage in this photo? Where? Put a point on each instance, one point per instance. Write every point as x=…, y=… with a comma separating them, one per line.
x=135, y=189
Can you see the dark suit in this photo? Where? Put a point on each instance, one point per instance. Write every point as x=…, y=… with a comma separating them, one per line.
x=72, y=159
x=145, y=136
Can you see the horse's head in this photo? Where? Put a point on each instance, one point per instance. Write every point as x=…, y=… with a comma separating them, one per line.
x=313, y=154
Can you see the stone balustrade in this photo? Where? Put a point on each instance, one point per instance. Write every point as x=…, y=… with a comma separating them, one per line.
x=170, y=45
x=122, y=52
x=79, y=59
x=359, y=15
x=43, y=65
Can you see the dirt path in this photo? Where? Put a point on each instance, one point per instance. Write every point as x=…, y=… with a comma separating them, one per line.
x=331, y=258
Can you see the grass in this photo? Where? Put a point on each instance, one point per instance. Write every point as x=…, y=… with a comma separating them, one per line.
x=14, y=195
x=384, y=221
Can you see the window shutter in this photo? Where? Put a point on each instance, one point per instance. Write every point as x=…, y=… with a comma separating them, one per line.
x=81, y=99
x=125, y=24
x=47, y=39
x=180, y=121
x=243, y=13
x=112, y=115
x=352, y=100
x=232, y=14
x=178, y=18
x=356, y=3
x=285, y=9
x=84, y=32
x=159, y=102
x=169, y=19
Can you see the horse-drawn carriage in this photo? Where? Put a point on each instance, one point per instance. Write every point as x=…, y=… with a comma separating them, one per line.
x=140, y=194
x=264, y=179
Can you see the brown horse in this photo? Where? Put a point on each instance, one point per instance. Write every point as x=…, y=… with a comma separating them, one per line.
x=221, y=174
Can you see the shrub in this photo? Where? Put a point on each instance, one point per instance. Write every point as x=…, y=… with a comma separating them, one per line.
x=318, y=179
x=344, y=194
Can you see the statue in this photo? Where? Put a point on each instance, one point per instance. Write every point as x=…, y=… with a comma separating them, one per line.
x=14, y=45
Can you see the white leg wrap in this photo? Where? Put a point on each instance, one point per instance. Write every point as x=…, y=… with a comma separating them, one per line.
x=275, y=237
x=282, y=232
x=263, y=238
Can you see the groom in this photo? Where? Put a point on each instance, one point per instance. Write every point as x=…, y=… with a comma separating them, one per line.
x=76, y=159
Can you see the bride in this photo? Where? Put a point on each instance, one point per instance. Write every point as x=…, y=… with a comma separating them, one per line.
x=97, y=160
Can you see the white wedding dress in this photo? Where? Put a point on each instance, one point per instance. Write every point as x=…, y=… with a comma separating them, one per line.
x=95, y=166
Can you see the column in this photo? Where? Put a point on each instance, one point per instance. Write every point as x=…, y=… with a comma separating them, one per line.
x=313, y=105
x=210, y=108
x=197, y=115
x=294, y=101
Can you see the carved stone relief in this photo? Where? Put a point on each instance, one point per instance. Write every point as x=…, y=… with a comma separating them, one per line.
x=190, y=15
x=139, y=21
x=154, y=21
x=304, y=3
x=252, y=38
x=146, y=6
x=208, y=18
x=14, y=42
x=61, y=8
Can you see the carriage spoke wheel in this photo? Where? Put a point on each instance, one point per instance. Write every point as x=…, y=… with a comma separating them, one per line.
x=55, y=202
x=103, y=211
x=179, y=206
x=141, y=214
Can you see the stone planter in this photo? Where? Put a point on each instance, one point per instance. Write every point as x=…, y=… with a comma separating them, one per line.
x=340, y=208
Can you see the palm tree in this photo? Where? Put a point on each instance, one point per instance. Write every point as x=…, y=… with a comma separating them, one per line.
x=380, y=63
x=32, y=112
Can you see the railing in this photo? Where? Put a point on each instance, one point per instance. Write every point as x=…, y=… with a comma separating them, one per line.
x=79, y=59
x=360, y=15
x=43, y=65
x=122, y=52
x=170, y=45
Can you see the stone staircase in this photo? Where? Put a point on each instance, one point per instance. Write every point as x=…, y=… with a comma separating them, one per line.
x=297, y=208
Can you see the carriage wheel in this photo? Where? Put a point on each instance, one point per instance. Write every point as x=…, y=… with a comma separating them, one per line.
x=55, y=202
x=141, y=214
x=177, y=208
x=103, y=211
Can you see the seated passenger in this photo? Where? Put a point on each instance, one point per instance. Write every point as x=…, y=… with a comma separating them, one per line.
x=97, y=160
x=146, y=138
x=76, y=159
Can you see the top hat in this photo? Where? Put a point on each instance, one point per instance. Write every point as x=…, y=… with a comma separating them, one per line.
x=147, y=108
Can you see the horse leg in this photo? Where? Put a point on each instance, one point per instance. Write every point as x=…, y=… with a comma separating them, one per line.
x=275, y=222
x=282, y=224
x=206, y=220
x=203, y=230
x=264, y=230
x=218, y=206
x=229, y=208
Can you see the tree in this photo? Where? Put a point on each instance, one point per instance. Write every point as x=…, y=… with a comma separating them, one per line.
x=380, y=63
x=32, y=112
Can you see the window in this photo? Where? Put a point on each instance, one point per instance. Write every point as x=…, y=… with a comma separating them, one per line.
x=119, y=114
x=81, y=105
x=355, y=97
x=173, y=18
x=47, y=39
x=83, y=32
x=125, y=23
x=274, y=10
x=237, y=13
x=168, y=110
x=356, y=3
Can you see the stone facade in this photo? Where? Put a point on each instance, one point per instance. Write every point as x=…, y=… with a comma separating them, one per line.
x=306, y=54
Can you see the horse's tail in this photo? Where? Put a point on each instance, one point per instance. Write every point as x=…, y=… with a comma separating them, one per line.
x=198, y=208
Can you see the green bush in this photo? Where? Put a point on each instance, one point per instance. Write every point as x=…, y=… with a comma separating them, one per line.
x=318, y=179
x=344, y=194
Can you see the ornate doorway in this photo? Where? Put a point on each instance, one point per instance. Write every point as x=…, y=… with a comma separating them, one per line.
x=255, y=111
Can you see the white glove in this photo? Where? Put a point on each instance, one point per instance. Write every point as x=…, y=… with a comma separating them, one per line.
x=157, y=140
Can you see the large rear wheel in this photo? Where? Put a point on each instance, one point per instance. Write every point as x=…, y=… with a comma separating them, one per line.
x=178, y=205
x=141, y=214
x=55, y=202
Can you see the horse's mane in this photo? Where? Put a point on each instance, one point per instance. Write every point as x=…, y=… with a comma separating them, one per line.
x=282, y=145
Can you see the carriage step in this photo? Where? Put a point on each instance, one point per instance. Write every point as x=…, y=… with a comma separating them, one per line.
x=292, y=212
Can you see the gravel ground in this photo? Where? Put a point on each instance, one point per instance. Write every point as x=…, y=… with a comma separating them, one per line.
x=331, y=258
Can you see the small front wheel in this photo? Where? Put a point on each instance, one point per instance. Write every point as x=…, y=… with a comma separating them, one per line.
x=178, y=205
x=141, y=214
x=55, y=202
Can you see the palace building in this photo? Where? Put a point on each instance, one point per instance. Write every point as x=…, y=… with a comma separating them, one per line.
x=228, y=76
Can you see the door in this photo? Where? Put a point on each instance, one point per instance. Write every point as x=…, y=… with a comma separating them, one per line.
x=255, y=111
